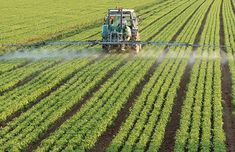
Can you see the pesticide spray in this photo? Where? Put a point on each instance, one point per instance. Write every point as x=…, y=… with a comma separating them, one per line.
x=37, y=54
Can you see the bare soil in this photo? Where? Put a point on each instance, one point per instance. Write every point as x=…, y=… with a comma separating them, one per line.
x=229, y=123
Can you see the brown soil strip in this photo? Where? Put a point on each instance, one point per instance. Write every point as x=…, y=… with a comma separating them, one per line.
x=68, y=114
x=105, y=139
x=43, y=95
x=221, y=31
x=27, y=79
x=229, y=122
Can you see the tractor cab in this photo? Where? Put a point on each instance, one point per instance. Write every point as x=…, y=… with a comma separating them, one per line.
x=120, y=25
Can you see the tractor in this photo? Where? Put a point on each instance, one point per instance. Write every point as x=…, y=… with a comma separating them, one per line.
x=120, y=26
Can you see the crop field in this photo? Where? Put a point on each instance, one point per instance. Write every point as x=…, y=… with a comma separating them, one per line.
x=166, y=98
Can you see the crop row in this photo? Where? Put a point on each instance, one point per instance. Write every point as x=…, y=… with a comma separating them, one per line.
x=201, y=125
x=158, y=78
x=44, y=82
x=201, y=117
x=8, y=65
x=82, y=130
x=166, y=16
x=140, y=124
x=11, y=78
x=179, y=21
x=18, y=133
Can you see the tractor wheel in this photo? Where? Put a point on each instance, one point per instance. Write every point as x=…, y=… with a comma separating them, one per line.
x=105, y=48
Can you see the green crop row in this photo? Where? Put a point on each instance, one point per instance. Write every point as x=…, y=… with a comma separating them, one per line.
x=23, y=95
x=11, y=78
x=141, y=122
x=179, y=21
x=207, y=107
x=8, y=65
x=218, y=131
x=203, y=101
x=158, y=78
x=202, y=105
x=169, y=96
x=18, y=133
x=166, y=16
x=82, y=130
x=182, y=133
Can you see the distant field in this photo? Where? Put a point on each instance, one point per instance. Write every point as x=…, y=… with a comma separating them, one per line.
x=27, y=21
x=78, y=98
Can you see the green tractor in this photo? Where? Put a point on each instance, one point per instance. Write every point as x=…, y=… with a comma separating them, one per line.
x=120, y=26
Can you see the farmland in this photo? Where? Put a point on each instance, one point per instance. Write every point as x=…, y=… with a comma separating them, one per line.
x=79, y=98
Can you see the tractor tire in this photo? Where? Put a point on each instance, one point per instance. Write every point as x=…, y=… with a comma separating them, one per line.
x=105, y=48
